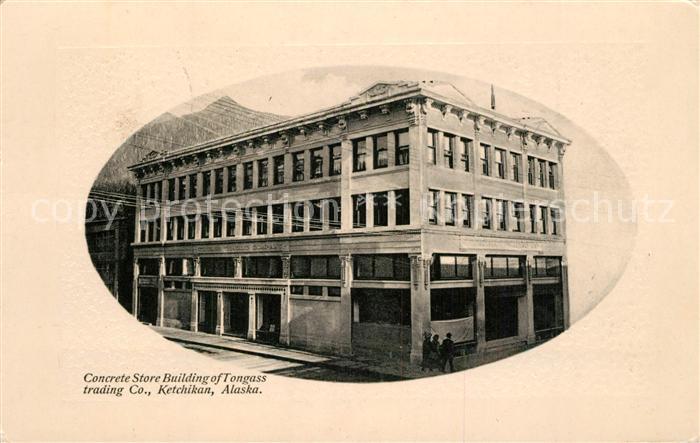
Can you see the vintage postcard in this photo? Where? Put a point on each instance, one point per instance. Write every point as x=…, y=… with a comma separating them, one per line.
x=332, y=221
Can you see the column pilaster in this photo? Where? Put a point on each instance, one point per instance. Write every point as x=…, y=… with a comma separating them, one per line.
x=161, y=292
x=219, y=313
x=420, y=304
x=346, y=274
x=480, y=303
x=252, y=315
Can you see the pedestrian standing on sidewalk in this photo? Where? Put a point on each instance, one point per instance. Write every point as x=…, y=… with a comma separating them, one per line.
x=447, y=351
x=425, y=363
x=435, y=353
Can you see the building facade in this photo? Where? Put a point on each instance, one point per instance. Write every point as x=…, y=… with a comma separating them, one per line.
x=357, y=229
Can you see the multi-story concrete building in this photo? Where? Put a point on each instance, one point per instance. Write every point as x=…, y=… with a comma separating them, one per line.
x=356, y=229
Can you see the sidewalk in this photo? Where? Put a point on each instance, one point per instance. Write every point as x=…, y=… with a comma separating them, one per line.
x=384, y=371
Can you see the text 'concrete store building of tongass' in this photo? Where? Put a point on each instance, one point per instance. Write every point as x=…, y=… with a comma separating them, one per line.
x=356, y=229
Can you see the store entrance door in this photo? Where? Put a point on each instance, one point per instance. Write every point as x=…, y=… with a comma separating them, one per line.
x=207, y=311
x=268, y=318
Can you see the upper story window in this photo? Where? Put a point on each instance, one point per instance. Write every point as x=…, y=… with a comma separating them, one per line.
x=547, y=267
x=315, y=266
x=518, y=216
x=402, y=147
x=450, y=208
x=149, y=266
x=182, y=187
x=380, y=203
x=262, y=267
x=216, y=266
x=248, y=175
x=219, y=181
x=359, y=154
x=504, y=266
x=217, y=224
x=191, y=226
x=467, y=210
x=193, y=186
x=448, y=152
x=261, y=220
x=298, y=216
x=262, y=172
x=533, y=219
x=451, y=267
x=180, y=227
x=206, y=183
x=433, y=204
x=500, y=158
x=382, y=267
x=298, y=165
x=315, y=216
x=359, y=211
x=501, y=213
x=402, y=204
x=552, y=175
x=179, y=266
x=334, y=211
x=542, y=169
x=279, y=169
x=465, y=145
x=515, y=160
x=317, y=163
x=335, y=156
x=381, y=153
x=171, y=189
x=278, y=218
x=232, y=185
x=544, y=212
x=230, y=223
x=485, y=159
x=554, y=215
x=531, y=166
x=486, y=213
x=431, y=146
x=204, y=225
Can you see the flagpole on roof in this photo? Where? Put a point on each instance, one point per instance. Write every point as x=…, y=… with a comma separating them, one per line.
x=493, y=99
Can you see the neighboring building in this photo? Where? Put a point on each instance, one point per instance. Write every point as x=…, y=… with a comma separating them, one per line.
x=109, y=229
x=356, y=229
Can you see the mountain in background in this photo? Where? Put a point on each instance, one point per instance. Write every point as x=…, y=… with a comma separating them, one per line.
x=168, y=132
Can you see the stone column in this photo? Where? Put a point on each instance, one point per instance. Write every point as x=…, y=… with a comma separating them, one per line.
x=369, y=158
x=307, y=216
x=237, y=267
x=194, y=311
x=417, y=133
x=528, y=329
x=345, y=181
x=345, y=335
x=252, y=316
x=325, y=155
x=369, y=205
x=161, y=292
x=391, y=208
x=391, y=149
x=287, y=217
x=200, y=184
x=135, y=290
x=440, y=149
x=285, y=308
x=239, y=176
x=219, y=313
x=420, y=304
x=479, y=270
x=441, y=208
x=239, y=222
x=307, y=164
x=565, y=292
x=288, y=167
x=225, y=181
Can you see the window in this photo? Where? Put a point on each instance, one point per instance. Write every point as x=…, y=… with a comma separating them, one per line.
x=204, y=226
x=232, y=179
x=315, y=216
x=554, y=215
x=451, y=267
x=433, y=202
x=178, y=266
x=501, y=311
x=531, y=170
x=247, y=221
x=298, y=214
x=180, y=227
x=298, y=164
x=230, y=223
x=453, y=304
x=431, y=147
x=465, y=154
x=518, y=209
x=334, y=153
x=170, y=228
x=297, y=289
x=450, y=208
x=381, y=155
x=181, y=188
x=552, y=175
x=333, y=291
x=144, y=192
x=467, y=209
x=501, y=213
x=542, y=166
x=218, y=220
x=485, y=161
x=248, y=175
x=359, y=154
x=156, y=229
x=171, y=189
x=278, y=219
x=486, y=213
x=206, y=183
x=334, y=212
x=504, y=266
x=402, y=204
x=500, y=158
x=216, y=266
x=191, y=226
x=380, y=203
x=382, y=267
x=262, y=267
x=448, y=151
x=322, y=266
x=279, y=169
x=262, y=172
x=543, y=219
x=219, y=181
x=515, y=167
x=193, y=185
x=547, y=266
x=315, y=290
x=317, y=163
x=402, y=147
x=261, y=220
x=533, y=219
x=359, y=211
x=149, y=266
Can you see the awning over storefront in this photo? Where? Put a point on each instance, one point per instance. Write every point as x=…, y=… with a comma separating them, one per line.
x=462, y=329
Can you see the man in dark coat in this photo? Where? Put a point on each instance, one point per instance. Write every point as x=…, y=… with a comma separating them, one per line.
x=448, y=352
